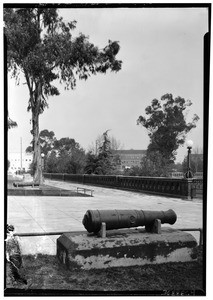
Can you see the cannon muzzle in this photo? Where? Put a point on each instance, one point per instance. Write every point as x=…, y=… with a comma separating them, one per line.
x=116, y=219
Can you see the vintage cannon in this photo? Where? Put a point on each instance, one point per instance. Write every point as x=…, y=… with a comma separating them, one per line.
x=115, y=219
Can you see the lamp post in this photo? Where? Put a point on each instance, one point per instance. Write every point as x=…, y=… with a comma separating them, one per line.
x=189, y=174
x=42, y=165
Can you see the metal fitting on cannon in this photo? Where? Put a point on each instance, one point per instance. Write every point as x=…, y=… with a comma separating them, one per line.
x=117, y=219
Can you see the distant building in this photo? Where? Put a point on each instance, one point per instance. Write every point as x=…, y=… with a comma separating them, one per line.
x=19, y=161
x=130, y=158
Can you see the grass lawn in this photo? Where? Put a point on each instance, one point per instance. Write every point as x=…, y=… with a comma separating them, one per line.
x=45, y=274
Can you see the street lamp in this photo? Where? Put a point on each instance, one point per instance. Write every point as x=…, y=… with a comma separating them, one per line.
x=189, y=145
x=42, y=161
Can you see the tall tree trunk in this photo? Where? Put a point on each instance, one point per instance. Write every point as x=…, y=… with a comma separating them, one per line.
x=37, y=160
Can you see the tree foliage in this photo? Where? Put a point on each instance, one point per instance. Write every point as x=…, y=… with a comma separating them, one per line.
x=70, y=156
x=115, y=144
x=51, y=163
x=92, y=163
x=196, y=163
x=41, y=46
x=47, y=140
x=104, y=163
x=154, y=164
x=11, y=123
x=167, y=126
x=60, y=156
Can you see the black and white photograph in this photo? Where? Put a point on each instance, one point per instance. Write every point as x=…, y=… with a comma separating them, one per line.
x=106, y=136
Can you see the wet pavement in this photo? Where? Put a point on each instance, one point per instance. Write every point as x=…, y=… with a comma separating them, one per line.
x=37, y=214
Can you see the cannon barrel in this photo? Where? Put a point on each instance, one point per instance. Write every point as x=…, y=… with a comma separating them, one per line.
x=116, y=219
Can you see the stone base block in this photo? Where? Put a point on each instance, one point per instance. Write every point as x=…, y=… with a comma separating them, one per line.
x=126, y=247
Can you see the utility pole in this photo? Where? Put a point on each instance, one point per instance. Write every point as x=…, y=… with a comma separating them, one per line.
x=21, y=154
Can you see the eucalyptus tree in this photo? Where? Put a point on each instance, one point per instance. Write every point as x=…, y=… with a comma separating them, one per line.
x=40, y=45
x=167, y=126
x=10, y=124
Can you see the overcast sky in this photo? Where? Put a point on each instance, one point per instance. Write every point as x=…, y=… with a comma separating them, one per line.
x=162, y=52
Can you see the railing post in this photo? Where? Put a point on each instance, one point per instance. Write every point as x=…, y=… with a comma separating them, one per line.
x=116, y=180
x=201, y=237
x=189, y=182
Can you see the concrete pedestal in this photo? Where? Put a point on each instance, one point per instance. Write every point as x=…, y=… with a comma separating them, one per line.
x=126, y=247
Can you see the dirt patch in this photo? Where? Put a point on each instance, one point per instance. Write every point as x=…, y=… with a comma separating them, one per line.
x=44, y=273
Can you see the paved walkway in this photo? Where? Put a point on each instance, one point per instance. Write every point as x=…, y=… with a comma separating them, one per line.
x=47, y=214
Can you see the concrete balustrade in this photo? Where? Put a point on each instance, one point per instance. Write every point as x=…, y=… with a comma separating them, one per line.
x=177, y=187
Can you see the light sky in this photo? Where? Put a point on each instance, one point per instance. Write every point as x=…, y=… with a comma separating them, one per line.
x=162, y=52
